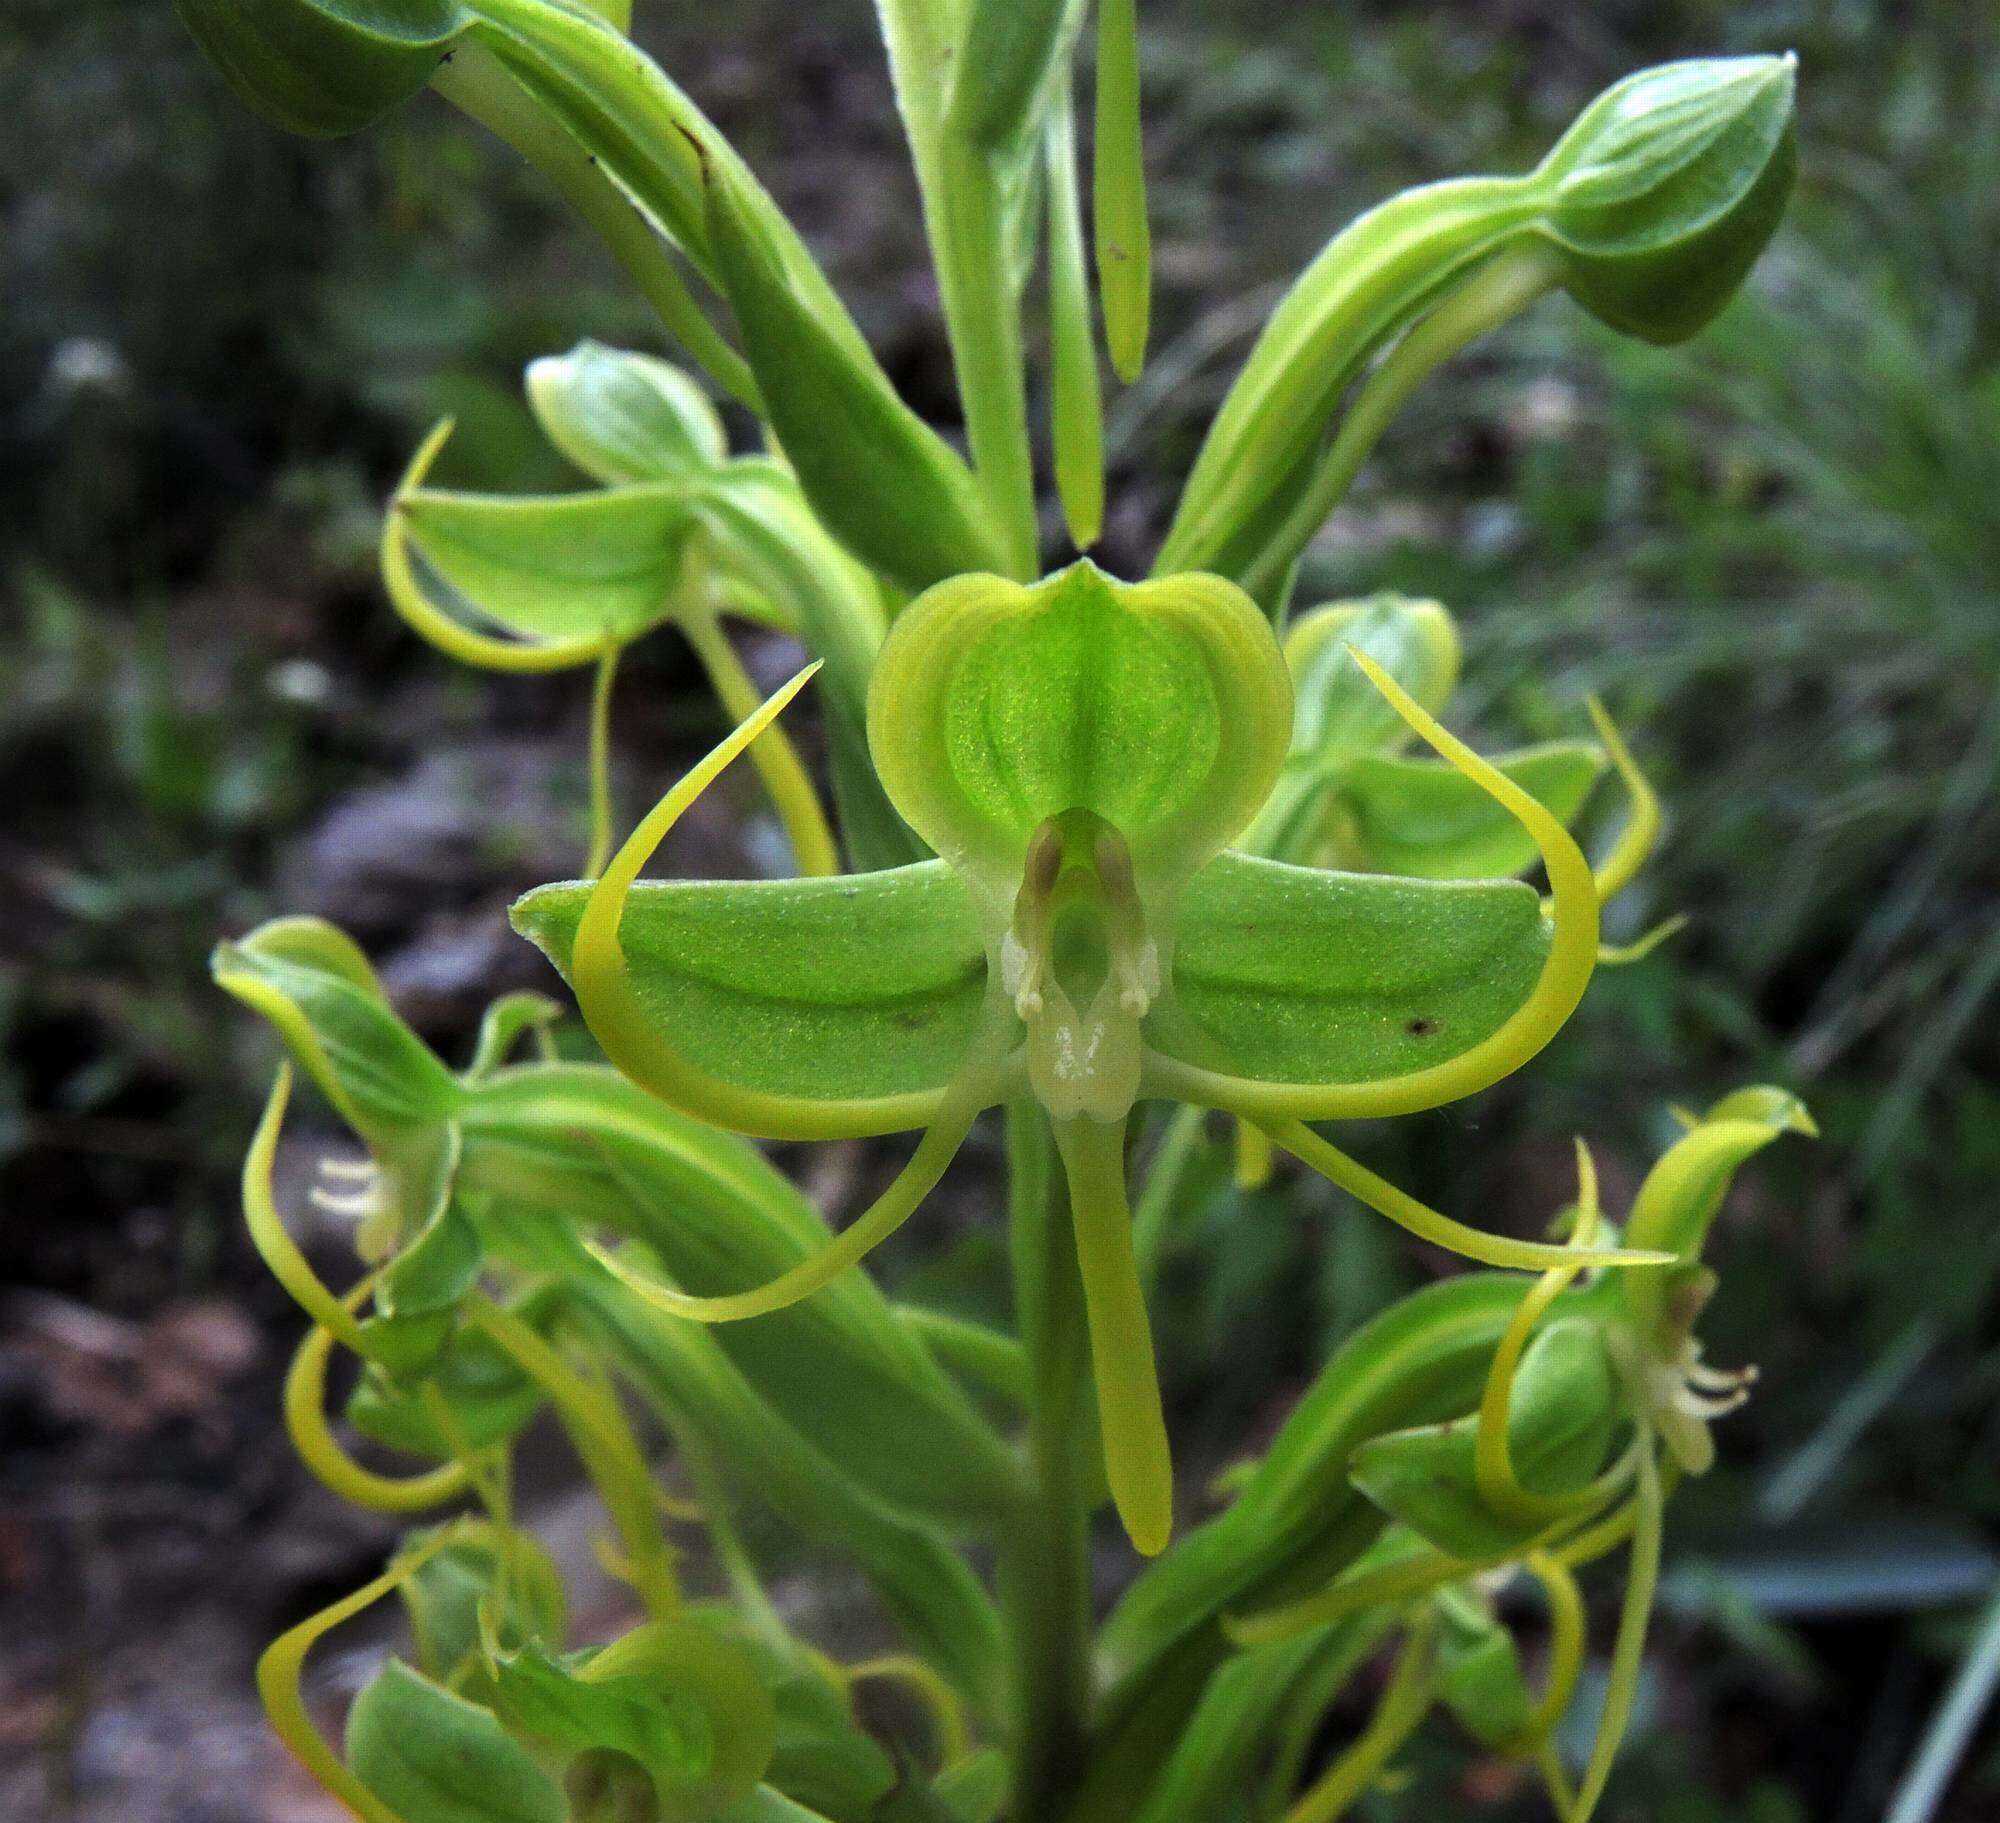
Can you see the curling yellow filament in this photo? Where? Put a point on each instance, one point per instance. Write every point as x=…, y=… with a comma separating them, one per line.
x=621, y=1025
x=331, y=1466
x=1403, y=1705
x=776, y=759
x=283, y=1663
x=430, y=623
x=1428, y=1225
x=274, y=1244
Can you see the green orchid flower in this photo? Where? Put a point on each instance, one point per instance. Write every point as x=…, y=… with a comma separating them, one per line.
x=676, y=531
x=1079, y=753
x=1536, y=1474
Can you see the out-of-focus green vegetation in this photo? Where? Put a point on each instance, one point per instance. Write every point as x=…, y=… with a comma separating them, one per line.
x=1772, y=550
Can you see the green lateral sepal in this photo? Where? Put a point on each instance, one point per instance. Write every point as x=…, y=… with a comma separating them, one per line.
x=1566, y=1405
x=432, y=1757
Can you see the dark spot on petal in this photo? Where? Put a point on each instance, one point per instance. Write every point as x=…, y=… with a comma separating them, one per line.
x=1421, y=1027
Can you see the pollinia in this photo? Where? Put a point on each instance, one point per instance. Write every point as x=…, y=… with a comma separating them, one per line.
x=1134, y=864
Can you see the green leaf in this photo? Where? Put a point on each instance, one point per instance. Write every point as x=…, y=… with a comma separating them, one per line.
x=834, y=989
x=557, y=566
x=591, y=1150
x=674, y=1696
x=1011, y=61
x=317, y=988
x=887, y=485
x=1565, y=1406
x=444, y=1595
x=625, y=418
x=1124, y=236
x=432, y=1757
x=1160, y=707
x=1293, y=974
x=1667, y=188
x=1426, y=819
x=323, y=67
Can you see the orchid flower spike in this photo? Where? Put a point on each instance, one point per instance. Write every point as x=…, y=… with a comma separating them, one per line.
x=1079, y=754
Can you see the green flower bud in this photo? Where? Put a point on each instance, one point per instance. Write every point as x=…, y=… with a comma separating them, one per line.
x=1668, y=187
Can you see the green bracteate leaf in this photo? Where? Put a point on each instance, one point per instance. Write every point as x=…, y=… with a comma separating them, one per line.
x=583, y=1147
x=1291, y=974
x=432, y=1757
x=1422, y=1360
x=489, y=1398
x=1011, y=61
x=1565, y=1406
x=1480, y=1677
x=1423, y=819
x=855, y=986
x=325, y=67
x=885, y=484
x=444, y=1596
x=1658, y=200
x=625, y=418
x=1246, y=1700
x=675, y=1697
x=1340, y=715
x=926, y=1586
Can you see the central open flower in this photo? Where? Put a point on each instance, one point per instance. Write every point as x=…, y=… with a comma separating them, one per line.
x=1079, y=754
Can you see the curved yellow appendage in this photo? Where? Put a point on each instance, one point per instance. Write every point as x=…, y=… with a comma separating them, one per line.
x=777, y=761
x=268, y=1234
x=1428, y=1225
x=619, y=1023
x=430, y=622
x=1395, y=1582
x=849, y=1247
x=1253, y=1156
x=280, y=1669
x=1137, y=1460
x=945, y=1706
x=1565, y=974
x=1566, y=1647
x=1628, y=1649
x=1618, y=955
x=603, y=1441
x=330, y=1465
x=600, y=762
x=1641, y=834
x=1405, y=1702
x=1492, y=1460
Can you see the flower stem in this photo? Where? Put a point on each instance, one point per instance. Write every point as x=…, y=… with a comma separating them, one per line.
x=1045, y=1580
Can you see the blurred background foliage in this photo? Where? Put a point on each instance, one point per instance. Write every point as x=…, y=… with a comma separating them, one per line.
x=1773, y=551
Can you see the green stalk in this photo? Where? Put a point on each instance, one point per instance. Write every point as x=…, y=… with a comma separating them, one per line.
x=1045, y=1578
x=983, y=320
x=1498, y=291
x=475, y=82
